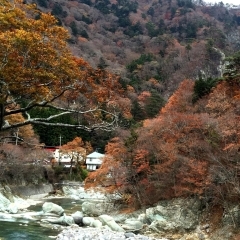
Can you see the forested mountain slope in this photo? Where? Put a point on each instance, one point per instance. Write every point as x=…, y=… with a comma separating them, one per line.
x=152, y=44
x=190, y=150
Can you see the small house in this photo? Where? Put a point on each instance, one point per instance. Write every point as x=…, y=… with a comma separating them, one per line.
x=65, y=159
x=94, y=161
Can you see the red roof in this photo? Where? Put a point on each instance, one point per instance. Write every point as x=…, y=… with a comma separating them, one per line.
x=51, y=148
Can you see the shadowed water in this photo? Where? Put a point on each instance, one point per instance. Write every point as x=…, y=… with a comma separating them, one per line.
x=30, y=231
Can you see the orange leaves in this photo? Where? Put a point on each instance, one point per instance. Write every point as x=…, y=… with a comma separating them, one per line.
x=25, y=132
x=183, y=150
x=192, y=177
x=124, y=106
x=144, y=96
x=221, y=102
x=35, y=50
x=76, y=150
x=101, y=85
x=82, y=39
x=181, y=100
x=77, y=146
x=140, y=162
x=116, y=148
x=38, y=68
x=109, y=175
x=130, y=89
x=224, y=104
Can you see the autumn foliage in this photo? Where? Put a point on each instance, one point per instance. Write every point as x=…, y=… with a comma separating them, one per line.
x=76, y=151
x=38, y=70
x=189, y=149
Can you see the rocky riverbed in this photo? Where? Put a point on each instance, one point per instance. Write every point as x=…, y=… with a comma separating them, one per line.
x=74, y=232
x=92, y=215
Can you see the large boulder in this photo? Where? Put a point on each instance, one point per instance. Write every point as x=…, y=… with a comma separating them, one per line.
x=95, y=209
x=109, y=221
x=49, y=207
x=178, y=214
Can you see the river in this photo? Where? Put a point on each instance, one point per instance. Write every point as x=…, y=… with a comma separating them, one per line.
x=29, y=231
x=36, y=230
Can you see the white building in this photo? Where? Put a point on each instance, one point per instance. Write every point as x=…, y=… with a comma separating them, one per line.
x=66, y=158
x=94, y=161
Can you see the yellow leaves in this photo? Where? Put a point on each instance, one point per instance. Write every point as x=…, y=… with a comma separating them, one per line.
x=35, y=52
x=47, y=18
x=25, y=40
x=25, y=131
x=37, y=66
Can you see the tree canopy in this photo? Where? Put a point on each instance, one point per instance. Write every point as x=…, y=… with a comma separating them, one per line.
x=188, y=149
x=37, y=69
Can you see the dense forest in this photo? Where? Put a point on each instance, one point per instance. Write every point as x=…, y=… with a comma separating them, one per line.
x=153, y=84
x=151, y=45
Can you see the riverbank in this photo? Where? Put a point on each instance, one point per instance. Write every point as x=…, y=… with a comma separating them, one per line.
x=176, y=219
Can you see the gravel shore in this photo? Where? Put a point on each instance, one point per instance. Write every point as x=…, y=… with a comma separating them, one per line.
x=77, y=233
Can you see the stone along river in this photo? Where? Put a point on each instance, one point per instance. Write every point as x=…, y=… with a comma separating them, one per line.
x=28, y=229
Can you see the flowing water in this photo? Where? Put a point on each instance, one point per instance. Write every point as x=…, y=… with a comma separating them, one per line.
x=28, y=231
x=35, y=230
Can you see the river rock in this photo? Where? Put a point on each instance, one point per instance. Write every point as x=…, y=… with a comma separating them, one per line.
x=96, y=224
x=95, y=209
x=12, y=208
x=4, y=203
x=67, y=220
x=132, y=225
x=91, y=222
x=87, y=221
x=162, y=225
x=64, y=220
x=78, y=217
x=49, y=207
x=109, y=221
x=81, y=193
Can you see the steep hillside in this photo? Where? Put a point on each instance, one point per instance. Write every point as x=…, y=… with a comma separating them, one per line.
x=152, y=44
x=190, y=150
x=182, y=38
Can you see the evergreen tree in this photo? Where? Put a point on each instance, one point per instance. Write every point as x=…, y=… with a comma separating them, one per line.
x=154, y=103
x=203, y=87
x=73, y=26
x=137, y=111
